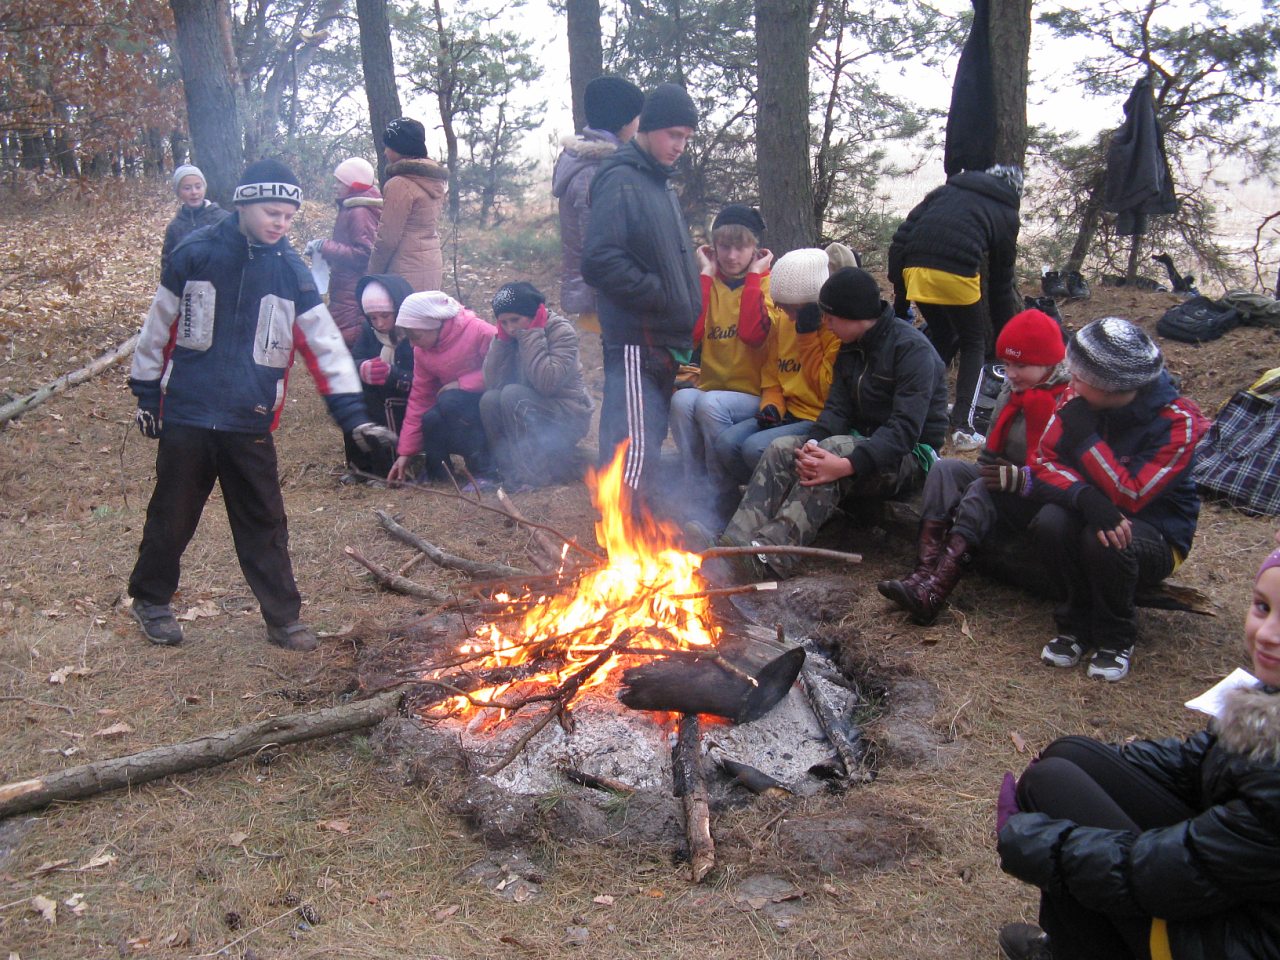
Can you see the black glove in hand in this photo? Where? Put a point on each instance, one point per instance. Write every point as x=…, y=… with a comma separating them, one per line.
x=1001, y=476
x=148, y=421
x=809, y=319
x=1099, y=512
x=768, y=416
x=370, y=437
x=1079, y=422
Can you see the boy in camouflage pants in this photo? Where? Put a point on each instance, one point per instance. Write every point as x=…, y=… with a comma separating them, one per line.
x=885, y=418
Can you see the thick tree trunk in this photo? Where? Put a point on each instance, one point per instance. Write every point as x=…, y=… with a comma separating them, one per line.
x=91, y=779
x=782, y=123
x=586, y=54
x=1010, y=34
x=379, y=72
x=209, y=81
x=1090, y=213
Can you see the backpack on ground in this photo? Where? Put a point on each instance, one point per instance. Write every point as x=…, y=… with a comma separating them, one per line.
x=1197, y=320
x=1238, y=460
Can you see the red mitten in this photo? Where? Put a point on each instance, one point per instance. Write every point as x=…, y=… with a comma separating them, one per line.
x=374, y=371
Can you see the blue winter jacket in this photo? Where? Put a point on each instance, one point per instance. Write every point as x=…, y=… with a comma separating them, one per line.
x=222, y=331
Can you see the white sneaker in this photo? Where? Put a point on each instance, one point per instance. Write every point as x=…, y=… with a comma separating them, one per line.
x=962, y=442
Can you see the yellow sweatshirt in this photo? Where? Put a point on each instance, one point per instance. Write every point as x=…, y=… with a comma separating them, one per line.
x=797, y=374
x=734, y=330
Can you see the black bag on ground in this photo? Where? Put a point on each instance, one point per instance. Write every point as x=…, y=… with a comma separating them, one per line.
x=1197, y=320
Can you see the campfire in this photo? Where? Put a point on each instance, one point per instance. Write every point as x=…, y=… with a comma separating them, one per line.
x=619, y=673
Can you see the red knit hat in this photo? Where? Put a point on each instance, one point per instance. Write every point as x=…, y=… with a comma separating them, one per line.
x=1031, y=337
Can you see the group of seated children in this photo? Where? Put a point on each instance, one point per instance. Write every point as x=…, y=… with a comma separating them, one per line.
x=509, y=399
x=1089, y=455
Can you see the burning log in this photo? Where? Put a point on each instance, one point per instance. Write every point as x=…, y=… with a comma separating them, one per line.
x=709, y=685
x=690, y=785
x=90, y=779
x=441, y=558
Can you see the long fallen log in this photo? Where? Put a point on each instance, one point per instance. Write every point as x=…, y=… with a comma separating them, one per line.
x=90, y=779
x=16, y=408
x=476, y=569
x=690, y=782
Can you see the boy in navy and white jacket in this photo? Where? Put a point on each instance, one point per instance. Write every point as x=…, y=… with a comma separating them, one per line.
x=235, y=304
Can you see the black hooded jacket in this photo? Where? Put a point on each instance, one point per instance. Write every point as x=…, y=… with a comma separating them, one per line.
x=1214, y=878
x=968, y=224
x=638, y=255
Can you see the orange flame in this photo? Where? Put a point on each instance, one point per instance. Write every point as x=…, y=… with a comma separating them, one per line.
x=645, y=587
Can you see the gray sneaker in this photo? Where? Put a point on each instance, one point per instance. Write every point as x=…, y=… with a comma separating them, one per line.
x=1110, y=665
x=1023, y=941
x=157, y=622
x=293, y=636
x=1063, y=650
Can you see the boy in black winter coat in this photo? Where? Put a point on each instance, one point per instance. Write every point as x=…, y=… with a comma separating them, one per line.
x=209, y=373
x=639, y=258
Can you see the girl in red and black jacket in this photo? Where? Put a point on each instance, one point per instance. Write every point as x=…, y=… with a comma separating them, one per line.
x=1114, y=472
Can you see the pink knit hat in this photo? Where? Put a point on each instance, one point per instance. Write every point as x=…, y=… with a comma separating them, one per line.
x=427, y=311
x=375, y=298
x=1273, y=560
x=355, y=172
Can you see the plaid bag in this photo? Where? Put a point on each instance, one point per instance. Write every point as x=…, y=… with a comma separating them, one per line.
x=1238, y=460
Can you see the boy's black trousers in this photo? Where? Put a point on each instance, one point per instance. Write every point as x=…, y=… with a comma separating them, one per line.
x=188, y=462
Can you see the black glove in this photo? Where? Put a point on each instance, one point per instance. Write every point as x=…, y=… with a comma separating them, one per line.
x=1099, y=512
x=1079, y=422
x=809, y=319
x=369, y=437
x=768, y=417
x=148, y=420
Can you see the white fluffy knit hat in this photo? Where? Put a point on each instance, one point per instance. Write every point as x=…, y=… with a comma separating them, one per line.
x=798, y=276
x=427, y=311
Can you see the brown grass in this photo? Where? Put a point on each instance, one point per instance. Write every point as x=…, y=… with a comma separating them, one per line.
x=205, y=860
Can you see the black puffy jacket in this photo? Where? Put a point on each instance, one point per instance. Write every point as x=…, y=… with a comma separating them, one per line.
x=186, y=222
x=638, y=255
x=1215, y=878
x=891, y=387
x=968, y=224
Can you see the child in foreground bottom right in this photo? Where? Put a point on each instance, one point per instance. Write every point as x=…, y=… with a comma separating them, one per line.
x=1160, y=849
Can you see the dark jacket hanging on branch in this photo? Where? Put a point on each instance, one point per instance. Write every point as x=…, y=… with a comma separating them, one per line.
x=971, y=121
x=1138, y=182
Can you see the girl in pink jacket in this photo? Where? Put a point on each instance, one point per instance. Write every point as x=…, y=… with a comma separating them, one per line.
x=449, y=346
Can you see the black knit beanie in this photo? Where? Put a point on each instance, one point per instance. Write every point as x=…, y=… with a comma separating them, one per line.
x=267, y=180
x=611, y=103
x=668, y=105
x=741, y=214
x=851, y=294
x=406, y=137
x=1115, y=355
x=520, y=297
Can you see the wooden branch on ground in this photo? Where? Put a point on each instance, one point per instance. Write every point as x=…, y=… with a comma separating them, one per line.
x=90, y=779
x=16, y=408
x=393, y=581
x=690, y=782
x=423, y=488
x=584, y=779
x=545, y=556
x=817, y=553
x=441, y=558
x=753, y=778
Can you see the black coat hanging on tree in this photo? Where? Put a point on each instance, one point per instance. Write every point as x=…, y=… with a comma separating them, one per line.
x=1138, y=182
x=971, y=121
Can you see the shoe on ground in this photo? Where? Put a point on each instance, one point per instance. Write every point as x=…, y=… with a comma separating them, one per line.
x=1063, y=650
x=295, y=636
x=1024, y=941
x=1053, y=285
x=1077, y=288
x=962, y=441
x=1110, y=665
x=158, y=623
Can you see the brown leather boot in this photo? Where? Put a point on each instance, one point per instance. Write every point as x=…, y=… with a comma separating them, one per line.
x=925, y=600
x=928, y=548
